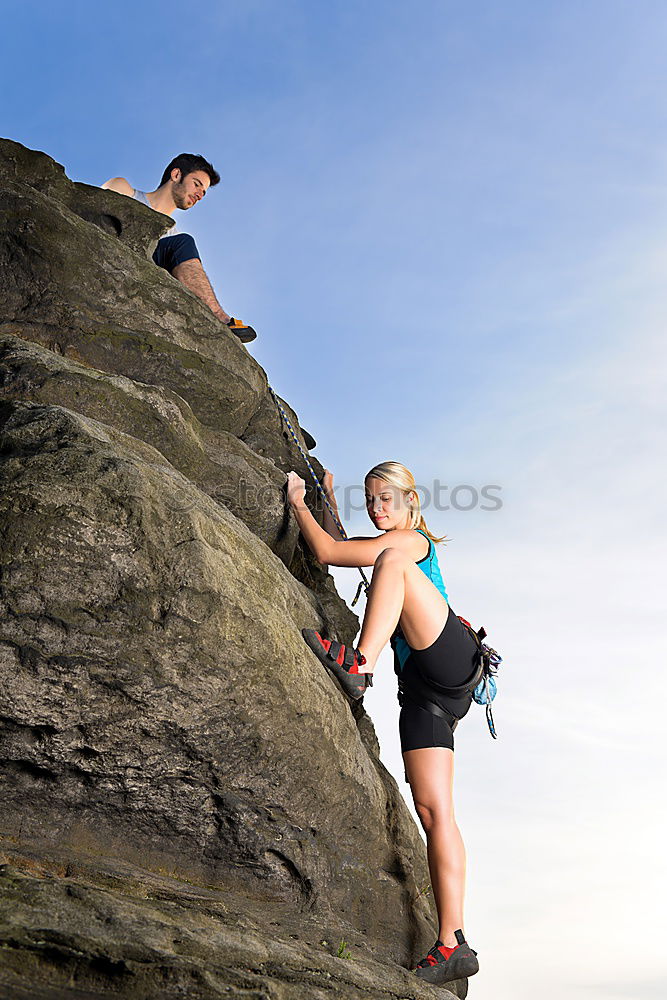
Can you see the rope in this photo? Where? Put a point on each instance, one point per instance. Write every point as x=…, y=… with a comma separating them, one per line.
x=364, y=581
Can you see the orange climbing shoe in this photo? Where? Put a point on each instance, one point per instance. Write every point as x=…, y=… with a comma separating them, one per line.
x=240, y=330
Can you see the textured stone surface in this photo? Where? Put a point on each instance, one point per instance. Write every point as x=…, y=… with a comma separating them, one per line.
x=218, y=462
x=85, y=295
x=82, y=293
x=160, y=712
x=28, y=169
x=101, y=929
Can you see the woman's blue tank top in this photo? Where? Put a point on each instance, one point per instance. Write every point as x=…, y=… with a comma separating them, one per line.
x=431, y=568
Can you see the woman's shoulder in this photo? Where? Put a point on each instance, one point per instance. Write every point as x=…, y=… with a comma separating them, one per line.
x=412, y=540
x=431, y=546
x=405, y=532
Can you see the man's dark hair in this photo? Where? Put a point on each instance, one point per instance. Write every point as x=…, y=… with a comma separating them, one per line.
x=186, y=163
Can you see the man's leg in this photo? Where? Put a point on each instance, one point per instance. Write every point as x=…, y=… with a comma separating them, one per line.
x=191, y=274
x=179, y=255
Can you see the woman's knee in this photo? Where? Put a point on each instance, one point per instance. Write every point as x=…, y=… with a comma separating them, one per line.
x=436, y=815
x=392, y=556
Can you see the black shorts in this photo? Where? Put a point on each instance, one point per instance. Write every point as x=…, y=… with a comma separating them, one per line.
x=449, y=661
x=174, y=250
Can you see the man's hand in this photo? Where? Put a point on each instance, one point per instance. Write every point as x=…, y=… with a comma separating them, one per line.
x=327, y=482
x=329, y=523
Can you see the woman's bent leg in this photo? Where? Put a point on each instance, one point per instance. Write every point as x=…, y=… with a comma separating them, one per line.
x=399, y=590
x=430, y=772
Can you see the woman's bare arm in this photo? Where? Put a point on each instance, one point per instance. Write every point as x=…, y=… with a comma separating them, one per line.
x=354, y=551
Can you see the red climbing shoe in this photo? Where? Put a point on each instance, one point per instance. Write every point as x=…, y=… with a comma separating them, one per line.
x=240, y=330
x=343, y=661
x=443, y=965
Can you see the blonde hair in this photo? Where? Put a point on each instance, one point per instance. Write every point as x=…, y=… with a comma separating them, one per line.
x=402, y=479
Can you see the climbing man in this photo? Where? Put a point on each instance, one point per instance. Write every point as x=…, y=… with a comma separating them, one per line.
x=184, y=182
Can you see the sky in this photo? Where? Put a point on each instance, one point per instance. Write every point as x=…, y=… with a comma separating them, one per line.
x=448, y=223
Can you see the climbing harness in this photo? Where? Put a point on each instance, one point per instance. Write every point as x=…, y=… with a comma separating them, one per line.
x=364, y=580
x=489, y=660
x=481, y=683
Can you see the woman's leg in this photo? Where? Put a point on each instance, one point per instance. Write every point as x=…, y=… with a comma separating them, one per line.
x=431, y=774
x=400, y=590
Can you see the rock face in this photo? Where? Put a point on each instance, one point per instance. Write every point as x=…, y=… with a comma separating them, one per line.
x=190, y=806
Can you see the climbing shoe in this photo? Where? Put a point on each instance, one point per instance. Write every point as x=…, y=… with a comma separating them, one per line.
x=442, y=964
x=343, y=661
x=240, y=330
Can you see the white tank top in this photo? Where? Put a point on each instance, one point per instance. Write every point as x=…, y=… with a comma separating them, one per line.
x=143, y=198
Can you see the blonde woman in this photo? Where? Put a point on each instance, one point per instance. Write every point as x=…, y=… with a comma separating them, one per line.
x=435, y=657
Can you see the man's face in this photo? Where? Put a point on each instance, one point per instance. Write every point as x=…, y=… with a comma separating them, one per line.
x=187, y=191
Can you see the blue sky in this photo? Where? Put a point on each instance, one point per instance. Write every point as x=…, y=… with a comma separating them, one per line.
x=448, y=223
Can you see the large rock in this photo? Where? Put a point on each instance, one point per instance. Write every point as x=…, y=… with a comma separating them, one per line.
x=26, y=169
x=178, y=632
x=88, y=928
x=161, y=713
x=219, y=463
x=159, y=703
x=92, y=293
x=87, y=294
x=81, y=292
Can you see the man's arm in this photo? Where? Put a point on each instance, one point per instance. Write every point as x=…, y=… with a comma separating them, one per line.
x=328, y=522
x=120, y=185
x=191, y=274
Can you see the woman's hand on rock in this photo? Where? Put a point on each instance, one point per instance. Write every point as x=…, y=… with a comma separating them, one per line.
x=296, y=489
x=327, y=481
